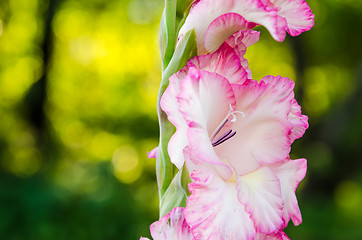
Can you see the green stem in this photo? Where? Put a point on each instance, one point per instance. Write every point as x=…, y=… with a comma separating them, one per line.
x=165, y=170
x=170, y=30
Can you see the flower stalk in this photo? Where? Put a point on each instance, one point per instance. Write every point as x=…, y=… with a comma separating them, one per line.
x=173, y=59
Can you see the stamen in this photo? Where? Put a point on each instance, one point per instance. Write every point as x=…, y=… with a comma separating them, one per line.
x=218, y=129
x=230, y=133
x=224, y=138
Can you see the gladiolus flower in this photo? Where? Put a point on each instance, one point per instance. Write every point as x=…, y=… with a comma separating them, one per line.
x=215, y=20
x=228, y=61
x=235, y=135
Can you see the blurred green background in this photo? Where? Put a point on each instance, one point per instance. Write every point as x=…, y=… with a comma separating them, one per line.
x=78, y=88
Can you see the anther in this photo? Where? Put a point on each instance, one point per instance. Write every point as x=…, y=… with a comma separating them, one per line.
x=230, y=133
x=223, y=138
x=218, y=129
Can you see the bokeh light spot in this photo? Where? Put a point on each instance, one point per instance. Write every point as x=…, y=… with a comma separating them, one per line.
x=102, y=145
x=17, y=79
x=270, y=58
x=126, y=164
x=348, y=195
x=317, y=99
x=26, y=162
x=320, y=156
x=23, y=5
x=76, y=135
x=1, y=27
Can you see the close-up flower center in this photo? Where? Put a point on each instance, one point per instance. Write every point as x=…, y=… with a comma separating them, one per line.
x=219, y=136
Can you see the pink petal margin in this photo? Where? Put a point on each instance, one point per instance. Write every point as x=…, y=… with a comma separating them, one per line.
x=297, y=13
x=153, y=153
x=214, y=211
x=299, y=121
x=290, y=173
x=226, y=61
x=273, y=236
x=240, y=41
x=216, y=20
x=204, y=101
x=260, y=192
x=172, y=226
x=222, y=27
x=170, y=106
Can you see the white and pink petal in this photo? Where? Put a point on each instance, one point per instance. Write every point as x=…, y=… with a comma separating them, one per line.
x=222, y=27
x=172, y=226
x=204, y=12
x=170, y=106
x=240, y=41
x=260, y=192
x=263, y=13
x=297, y=13
x=225, y=62
x=204, y=101
x=214, y=211
x=273, y=236
x=290, y=173
x=262, y=135
x=265, y=131
x=299, y=121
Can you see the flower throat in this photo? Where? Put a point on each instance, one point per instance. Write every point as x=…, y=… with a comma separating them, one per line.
x=229, y=134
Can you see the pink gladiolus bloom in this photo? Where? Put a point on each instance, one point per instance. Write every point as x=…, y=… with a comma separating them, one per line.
x=215, y=20
x=235, y=135
x=228, y=61
x=172, y=226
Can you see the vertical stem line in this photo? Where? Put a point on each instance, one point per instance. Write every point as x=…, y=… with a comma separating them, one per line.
x=170, y=22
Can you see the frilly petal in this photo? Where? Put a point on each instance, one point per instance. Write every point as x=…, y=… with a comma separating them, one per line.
x=204, y=12
x=264, y=13
x=170, y=106
x=214, y=211
x=290, y=173
x=240, y=41
x=260, y=192
x=299, y=121
x=204, y=101
x=297, y=13
x=172, y=226
x=225, y=62
x=274, y=236
x=265, y=130
x=262, y=136
x=222, y=27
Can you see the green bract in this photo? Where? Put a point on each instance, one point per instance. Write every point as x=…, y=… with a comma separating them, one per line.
x=172, y=184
